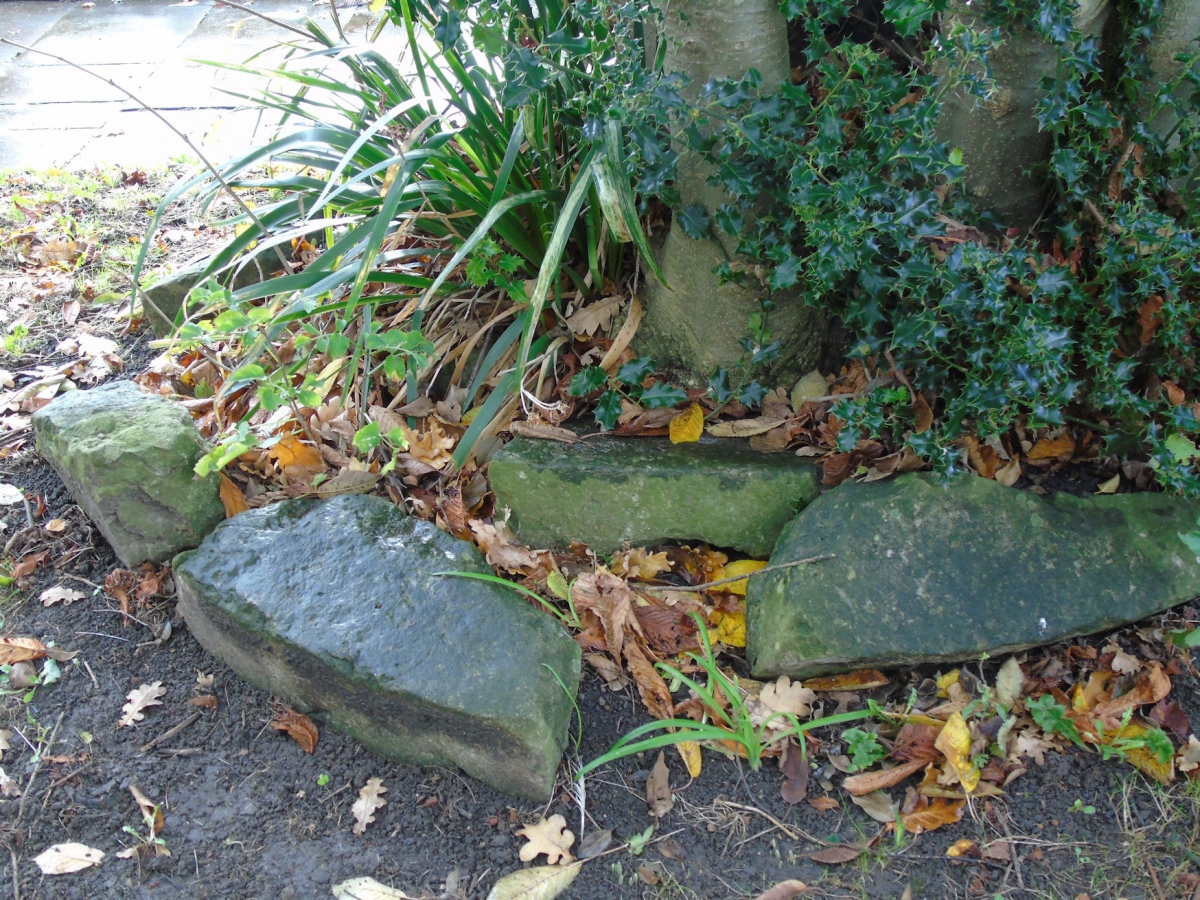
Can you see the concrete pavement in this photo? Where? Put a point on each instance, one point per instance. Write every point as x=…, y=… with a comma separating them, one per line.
x=53, y=115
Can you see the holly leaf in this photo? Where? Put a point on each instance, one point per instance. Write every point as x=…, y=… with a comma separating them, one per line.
x=660, y=395
x=549, y=838
x=370, y=800
x=140, y=698
x=590, y=379
x=608, y=409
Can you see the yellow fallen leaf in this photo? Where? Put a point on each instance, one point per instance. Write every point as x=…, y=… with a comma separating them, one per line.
x=955, y=742
x=297, y=459
x=741, y=567
x=731, y=630
x=1110, y=486
x=944, y=682
x=961, y=848
x=690, y=752
x=687, y=427
x=1143, y=758
x=231, y=497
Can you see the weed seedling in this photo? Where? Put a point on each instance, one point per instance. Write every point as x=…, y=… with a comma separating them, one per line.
x=637, y=842
x=1079, y=807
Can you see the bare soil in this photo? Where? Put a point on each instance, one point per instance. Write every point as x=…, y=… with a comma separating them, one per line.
x=248, y=814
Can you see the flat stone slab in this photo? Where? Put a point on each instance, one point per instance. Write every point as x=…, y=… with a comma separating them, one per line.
x=606, y=492
x=336, y=606
x=926, y=572
x=128, y=458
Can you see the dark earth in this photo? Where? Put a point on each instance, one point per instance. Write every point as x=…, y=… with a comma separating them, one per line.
x=246, y=813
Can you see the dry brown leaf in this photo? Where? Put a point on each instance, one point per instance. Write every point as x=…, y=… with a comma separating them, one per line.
x=62, y=859
x=231, y=497
x=867, y=782
x=658, y=789
x=548, y=837
x=877, y=805
x=296, y=459
x=1175, y=394
x=1148, y=317
x=60, y=594
x=1061, y=447
x=347, y=481
x=1151, y=686
x=923, y=415
x=786, y=696
x=540, y=431
x=823, y=804
x=859, y=680
x=15, y=650
x=502, y=552
x=653, y=690
x=30, y=564
x=639, y=564
x=836, y=855
x=593, y=317
x=785, y=890
x=1010, y=473
x=744, y=428
x=56, y=526
x=208, y=701
x=933, y=814
x=538, y=883
x=299, y=727
x=370, y=800
x=140, y=698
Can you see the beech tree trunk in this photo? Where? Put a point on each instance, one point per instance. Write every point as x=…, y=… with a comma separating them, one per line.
x=693, y=326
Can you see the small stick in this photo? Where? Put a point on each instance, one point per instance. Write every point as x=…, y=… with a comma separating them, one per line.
x=61, y=781
x=167, y=735
x=37, y=768
x=721, y=581
x=12, y=855
x=171, y=752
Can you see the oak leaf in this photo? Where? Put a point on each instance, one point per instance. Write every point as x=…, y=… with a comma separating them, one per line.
x=594, y=317
x=370, y=800
x=787, y=696
x=639, y=564
x=548, y=837
x=60, y=594
x=138, y=699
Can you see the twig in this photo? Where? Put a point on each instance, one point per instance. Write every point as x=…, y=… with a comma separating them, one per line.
x=287, y=266
x=61, y=781
x=736, y=578
x=167, y=735
x=12, y=855
x=171, y=752
x=37, y=767
x=98, y=587
x=254, y=12
x=794, y=833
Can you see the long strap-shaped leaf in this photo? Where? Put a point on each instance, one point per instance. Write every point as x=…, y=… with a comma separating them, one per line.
x=552, y=264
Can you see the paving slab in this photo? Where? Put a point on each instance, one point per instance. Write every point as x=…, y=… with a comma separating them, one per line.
x=25, y=22
x=130, y=31
x=139, y=137
x=68, y=116
x=32, y=85
x=40, y=148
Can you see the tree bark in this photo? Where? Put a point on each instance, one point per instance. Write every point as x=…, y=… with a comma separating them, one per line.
x=1000, y=138
x=694, y=326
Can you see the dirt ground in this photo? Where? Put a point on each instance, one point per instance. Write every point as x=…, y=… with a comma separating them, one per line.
x=246, y=813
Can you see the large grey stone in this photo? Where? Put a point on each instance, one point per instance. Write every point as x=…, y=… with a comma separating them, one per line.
x=162, y=300
x=611, y=491
x=926, y=572
x=128, y=457
x=339, y=608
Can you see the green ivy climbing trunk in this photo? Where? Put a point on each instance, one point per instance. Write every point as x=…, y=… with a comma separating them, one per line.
x=694, y=325
x=1000, y=139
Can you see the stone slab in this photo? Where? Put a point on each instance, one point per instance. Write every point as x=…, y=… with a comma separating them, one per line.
x=337, y=607
x=607, y=491
x=925, y=572
x=127, y=457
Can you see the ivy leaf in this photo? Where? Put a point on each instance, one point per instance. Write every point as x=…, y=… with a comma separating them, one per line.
x=608, y=410
x=590, y=379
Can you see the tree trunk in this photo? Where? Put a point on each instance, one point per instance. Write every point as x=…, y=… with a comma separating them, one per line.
x=1177, y=32
x=694, y=326
x=1000, y=138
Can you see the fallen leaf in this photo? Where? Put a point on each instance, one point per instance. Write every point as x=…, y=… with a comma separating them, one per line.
x=5, y=738
x=877, y=805
x=838, y=854
x=296, y=459
x=687, y=427
x=299, y=727
x=658, y=789
x=151, y=811
x=15, y=650
x=366, y=889
x=231, y=497
x=922, y=414
x=689, y=752
x=741, y=567
x=1148, y=317
x=1009, y=474
x=593, y=317
x=139, y=698
x=868, y=782
x=787, y=696
x=794, y=767
x=60, y=594
x=370, y=800
x=1142, y=758
x=8, y=785
x=30, y=564
x=11, y=496
x=823, y=804
x=1175, y=394
x=963, y=848
x=56, y=526
x=930, y=815
x=595, y=842
x=785, y=890
x=1061, y=447
x=639, y=564
x=653, y=689
x=541, y=883
x=208, y=701
x=955, y=743
x=743, y=428
x=860, y=680
x=1151, y=686
x=1009, y=681
x=730, y=629
x=548, y=837
x=347, y=481
x=62, y=859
